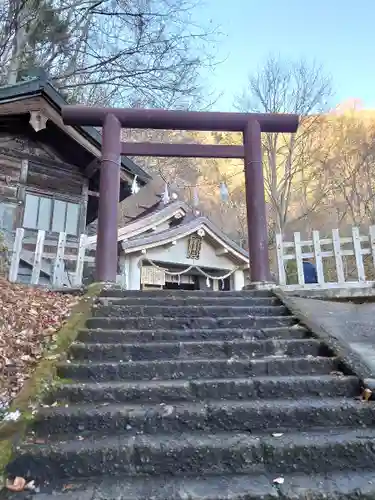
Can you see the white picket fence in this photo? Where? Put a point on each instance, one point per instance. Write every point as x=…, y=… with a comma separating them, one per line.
x=318, y=249
x=52, y=263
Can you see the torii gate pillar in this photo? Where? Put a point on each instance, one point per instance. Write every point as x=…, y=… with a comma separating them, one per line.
x=256, y=204
x=251, y=125
x=109, y=191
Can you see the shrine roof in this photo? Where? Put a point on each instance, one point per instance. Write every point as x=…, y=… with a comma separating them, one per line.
x=189, y=225
x=161, y=213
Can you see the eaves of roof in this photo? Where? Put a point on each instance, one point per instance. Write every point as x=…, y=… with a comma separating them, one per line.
x=38, y=86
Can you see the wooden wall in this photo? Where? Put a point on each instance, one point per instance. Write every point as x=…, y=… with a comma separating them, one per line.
x=29, y=166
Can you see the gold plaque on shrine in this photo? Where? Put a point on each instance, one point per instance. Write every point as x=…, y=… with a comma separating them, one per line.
x=194, y=247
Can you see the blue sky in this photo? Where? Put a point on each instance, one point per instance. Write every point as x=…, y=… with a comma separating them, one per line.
x=339, y=34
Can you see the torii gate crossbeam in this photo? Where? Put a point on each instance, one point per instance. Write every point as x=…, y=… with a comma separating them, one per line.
x=113, y=119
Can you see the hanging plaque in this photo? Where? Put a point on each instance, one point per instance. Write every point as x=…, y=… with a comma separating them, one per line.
x=152, y=276
x=194, y=247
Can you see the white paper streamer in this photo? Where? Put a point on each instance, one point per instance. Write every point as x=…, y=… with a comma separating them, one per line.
x=195, y=197
x=166, y=197
x=224, y=193
x=135, y=187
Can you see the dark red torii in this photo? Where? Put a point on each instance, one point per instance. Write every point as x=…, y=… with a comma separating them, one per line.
x=113, y=119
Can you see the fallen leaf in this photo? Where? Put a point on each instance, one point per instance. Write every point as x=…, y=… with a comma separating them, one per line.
x=168, y=410
x=337, y=373
x=30, y=486
x=12, y=416
x=366, y=394
x=18, y=484
x=29, y=320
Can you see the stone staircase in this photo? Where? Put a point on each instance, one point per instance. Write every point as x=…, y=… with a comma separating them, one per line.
x=200, y=396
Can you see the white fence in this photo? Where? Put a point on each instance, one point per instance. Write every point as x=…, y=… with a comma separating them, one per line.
x=51, y=263
x=337, y=249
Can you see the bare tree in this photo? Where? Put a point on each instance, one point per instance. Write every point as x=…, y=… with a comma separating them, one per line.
x=31, y=31
x=288, y=87
x=132, y=52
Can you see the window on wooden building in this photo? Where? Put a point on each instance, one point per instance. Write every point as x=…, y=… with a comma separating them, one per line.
x=7, y=214
x=51, y=215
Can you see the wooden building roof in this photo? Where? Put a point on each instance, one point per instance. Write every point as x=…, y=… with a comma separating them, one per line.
x=33, y=107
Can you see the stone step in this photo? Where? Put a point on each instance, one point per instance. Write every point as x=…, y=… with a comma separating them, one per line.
x=211, y=416
x=195, y=311
x=192, y=369
x=199, y=453
x=180, y=300
x=336, y=485
x=198, y=350
x=345, y=485
x=117, y=292
x=170, y=391
x=159, y=322
x=225, y=334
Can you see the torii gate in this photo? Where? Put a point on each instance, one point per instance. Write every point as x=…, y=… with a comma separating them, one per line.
x=113, y=119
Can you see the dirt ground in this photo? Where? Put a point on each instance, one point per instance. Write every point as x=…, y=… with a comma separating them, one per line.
x=29, y=319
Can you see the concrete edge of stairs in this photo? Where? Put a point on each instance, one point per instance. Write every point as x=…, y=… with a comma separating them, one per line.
x=350, y=358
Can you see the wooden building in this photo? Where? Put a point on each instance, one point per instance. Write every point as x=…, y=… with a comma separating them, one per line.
x=49, y=172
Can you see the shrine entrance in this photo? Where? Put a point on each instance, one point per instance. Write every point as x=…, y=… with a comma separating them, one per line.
x=113, y=119
x=180, y=286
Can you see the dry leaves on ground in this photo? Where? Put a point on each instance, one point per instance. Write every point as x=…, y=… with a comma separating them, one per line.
x=29, y=318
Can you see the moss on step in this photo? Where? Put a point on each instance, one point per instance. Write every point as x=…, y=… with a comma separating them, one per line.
x=43, y=378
